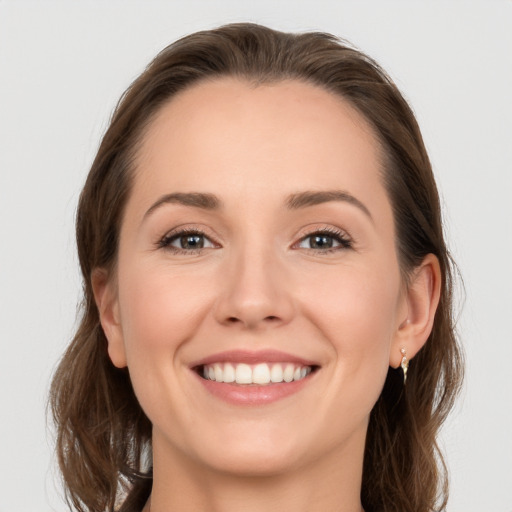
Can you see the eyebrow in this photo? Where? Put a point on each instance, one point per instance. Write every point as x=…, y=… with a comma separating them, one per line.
x=195, y=199
x=207, y=201
x=312, y=198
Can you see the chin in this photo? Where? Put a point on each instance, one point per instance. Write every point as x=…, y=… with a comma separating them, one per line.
x=265, y=452
x=262, y=463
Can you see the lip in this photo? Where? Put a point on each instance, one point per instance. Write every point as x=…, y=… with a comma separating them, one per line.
x=253, y=394
x=253, y=357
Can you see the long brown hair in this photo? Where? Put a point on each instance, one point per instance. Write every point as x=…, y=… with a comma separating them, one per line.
x=103, y=436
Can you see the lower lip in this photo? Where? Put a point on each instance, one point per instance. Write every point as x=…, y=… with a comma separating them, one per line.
x=240, y=394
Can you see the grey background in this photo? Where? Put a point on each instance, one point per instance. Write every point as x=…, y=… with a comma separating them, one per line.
x=63, y=66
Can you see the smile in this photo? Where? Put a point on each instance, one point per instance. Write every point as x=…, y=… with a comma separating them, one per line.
x=260, y=374
x=247, y=378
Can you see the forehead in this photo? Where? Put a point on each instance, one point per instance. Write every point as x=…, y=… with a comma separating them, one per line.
x=238, y=139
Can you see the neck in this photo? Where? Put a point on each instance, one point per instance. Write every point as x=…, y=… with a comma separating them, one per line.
x=333, y=483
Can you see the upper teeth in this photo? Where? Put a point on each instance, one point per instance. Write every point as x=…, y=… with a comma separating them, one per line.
x=262, y=373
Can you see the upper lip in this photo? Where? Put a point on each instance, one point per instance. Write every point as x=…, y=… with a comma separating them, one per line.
x=253, y=357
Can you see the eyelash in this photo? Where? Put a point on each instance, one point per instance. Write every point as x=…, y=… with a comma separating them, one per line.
x=339, y=236
x=165, y=242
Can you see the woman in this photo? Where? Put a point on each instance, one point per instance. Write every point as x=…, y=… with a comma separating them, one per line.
x=262, y=250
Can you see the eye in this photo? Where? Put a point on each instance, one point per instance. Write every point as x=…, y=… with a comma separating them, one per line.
x=325, y=241
x=186, y=241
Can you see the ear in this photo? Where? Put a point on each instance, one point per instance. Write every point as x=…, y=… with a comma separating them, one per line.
x=417, y=316
x=105, y=295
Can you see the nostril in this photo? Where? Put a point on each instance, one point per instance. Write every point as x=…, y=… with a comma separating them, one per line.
x=247, y=321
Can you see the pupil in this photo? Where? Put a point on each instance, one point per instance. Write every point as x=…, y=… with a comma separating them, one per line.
x=192, y=242
x=322, y=241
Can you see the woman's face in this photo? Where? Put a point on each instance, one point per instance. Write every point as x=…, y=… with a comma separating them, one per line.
x=257, y=244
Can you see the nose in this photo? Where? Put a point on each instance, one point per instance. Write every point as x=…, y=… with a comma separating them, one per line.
x=255, y=291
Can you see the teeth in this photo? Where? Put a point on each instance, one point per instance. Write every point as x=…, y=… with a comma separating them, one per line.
x=288, y=373
x=217, y=372
x=262, y=373
x=229, y=373
x=276, y=374
x=243, y=374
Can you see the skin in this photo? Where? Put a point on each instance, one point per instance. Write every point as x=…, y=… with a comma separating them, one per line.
x=260, y=284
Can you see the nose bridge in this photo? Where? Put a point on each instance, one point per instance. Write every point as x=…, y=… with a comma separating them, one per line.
x=254, y=285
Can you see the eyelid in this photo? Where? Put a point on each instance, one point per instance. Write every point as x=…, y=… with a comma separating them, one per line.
x=311, y=229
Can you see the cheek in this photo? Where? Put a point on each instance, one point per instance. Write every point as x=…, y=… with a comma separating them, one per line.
x=355, y=310
x=356, y=306
x=160, y=308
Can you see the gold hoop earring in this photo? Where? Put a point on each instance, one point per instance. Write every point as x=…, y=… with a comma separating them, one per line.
x=404, y=363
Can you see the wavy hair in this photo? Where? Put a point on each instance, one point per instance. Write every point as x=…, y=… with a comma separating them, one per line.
x=103, y=436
